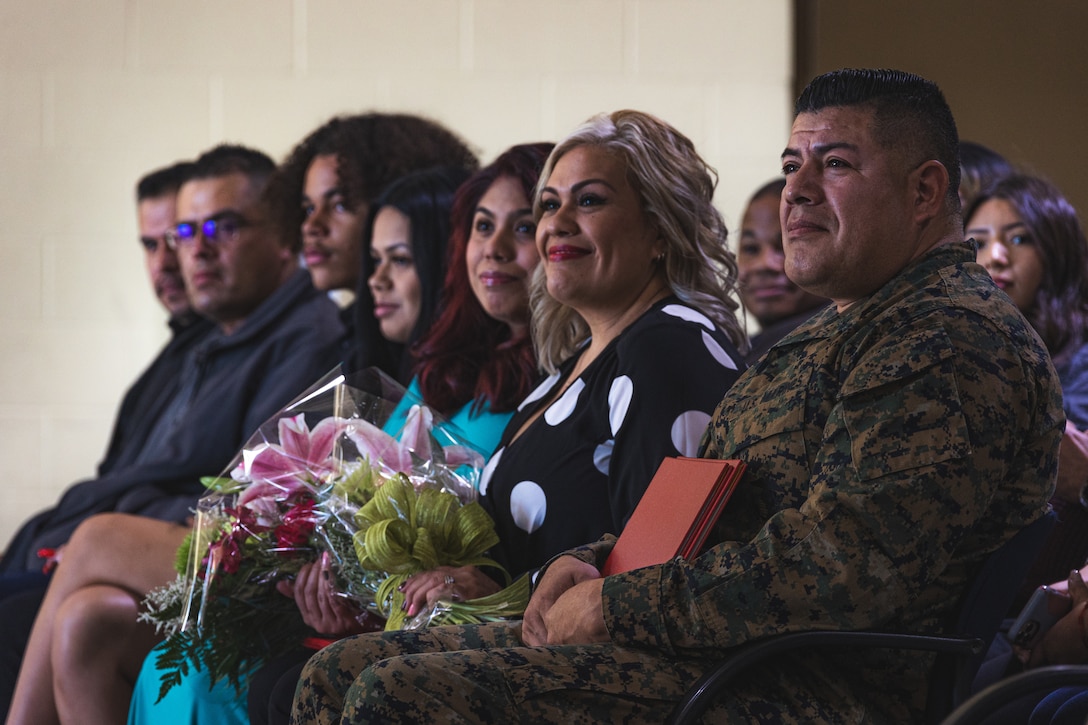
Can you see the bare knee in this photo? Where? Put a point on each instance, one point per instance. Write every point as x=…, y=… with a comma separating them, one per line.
x=101, y=534
x=131, y=552
x=98, y=645
x=91, y=621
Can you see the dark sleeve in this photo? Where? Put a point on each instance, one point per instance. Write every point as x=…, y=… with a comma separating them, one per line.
x=251, y=385
x=150, y=395
x=289, y=370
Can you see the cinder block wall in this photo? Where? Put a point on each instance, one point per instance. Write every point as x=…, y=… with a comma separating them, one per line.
x=92, y=94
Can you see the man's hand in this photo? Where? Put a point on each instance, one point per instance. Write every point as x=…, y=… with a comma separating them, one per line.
x=577, y=616
x=1072, y=464
x=563, y=574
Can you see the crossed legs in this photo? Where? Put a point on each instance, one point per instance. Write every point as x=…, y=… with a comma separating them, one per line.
x=86, y=646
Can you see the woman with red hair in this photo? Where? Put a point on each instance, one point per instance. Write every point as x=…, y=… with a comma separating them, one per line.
x=477, y=356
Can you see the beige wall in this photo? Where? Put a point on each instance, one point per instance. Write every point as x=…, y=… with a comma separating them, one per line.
x=92, y=94
x=1014, y=72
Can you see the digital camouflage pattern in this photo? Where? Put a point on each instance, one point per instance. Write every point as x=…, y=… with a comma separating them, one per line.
x=890, y=448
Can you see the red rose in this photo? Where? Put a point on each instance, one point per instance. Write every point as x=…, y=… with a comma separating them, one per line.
x=230, y=557
x=292, y=535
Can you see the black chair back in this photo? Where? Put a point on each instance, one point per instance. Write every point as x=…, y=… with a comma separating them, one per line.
x=981, y=611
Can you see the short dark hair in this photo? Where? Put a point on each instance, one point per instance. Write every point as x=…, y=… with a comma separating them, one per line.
x=227, y=159
x=773, y=187
x=909, y=111
x=257, y=167
x=1060, y=312
x=161, y=182
x=980, y=167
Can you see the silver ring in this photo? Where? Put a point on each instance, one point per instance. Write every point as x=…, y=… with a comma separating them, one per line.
x=449, y=580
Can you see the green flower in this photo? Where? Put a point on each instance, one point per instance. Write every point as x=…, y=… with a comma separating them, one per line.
x=402, y=532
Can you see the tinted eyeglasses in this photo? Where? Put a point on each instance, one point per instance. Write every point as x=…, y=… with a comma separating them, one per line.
x=219, y=229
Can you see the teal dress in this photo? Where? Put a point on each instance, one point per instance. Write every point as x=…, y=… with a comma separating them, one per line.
x=195, y=700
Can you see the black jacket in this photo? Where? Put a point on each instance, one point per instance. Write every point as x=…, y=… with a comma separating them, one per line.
x=229, y=385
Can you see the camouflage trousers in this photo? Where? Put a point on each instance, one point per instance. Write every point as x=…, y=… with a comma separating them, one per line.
x=483, y=674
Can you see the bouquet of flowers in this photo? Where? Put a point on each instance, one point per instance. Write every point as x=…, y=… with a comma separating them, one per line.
x=352, y=467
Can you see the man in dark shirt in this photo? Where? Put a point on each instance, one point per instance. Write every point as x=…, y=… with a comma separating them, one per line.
x=275, y=334
x=156, y=209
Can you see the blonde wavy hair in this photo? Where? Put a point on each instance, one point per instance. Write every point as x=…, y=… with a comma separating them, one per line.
x=675, y=187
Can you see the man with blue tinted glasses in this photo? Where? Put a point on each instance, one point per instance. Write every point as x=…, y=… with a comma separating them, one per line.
x=231, y=259
x=274, y=335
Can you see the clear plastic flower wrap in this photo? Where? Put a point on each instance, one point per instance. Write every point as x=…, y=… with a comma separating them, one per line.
x=297, y=488
x=507, y=603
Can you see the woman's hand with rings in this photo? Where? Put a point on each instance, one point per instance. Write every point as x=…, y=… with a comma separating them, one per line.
x=456, y=584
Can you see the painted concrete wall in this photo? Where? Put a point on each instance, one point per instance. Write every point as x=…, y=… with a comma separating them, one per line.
x=93, y=94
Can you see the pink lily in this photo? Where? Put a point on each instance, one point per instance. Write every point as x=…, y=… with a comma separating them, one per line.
x=302, y=457
x=415, y=438
x=462, y=455
x=379, y=447
x=416, y=435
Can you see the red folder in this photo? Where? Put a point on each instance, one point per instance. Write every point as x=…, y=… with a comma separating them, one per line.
x=677, y=512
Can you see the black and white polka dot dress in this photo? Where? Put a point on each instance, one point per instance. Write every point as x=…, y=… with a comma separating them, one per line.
x=579, y=470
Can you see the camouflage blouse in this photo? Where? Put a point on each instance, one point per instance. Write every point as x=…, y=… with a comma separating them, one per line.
x=889, y=448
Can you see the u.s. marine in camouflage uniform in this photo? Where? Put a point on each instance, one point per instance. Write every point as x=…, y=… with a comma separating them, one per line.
x=892, y=443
